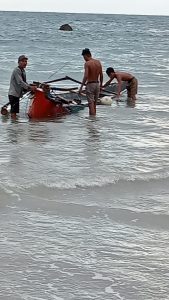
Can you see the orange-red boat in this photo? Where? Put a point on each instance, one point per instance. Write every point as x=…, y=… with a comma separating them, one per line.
x=51, y=102
x=46, y=104
x=41, y=107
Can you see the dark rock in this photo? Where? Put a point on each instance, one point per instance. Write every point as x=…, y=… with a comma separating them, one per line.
x=66, y=27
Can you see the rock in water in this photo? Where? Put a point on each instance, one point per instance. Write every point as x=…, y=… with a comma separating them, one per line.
x=66, y=27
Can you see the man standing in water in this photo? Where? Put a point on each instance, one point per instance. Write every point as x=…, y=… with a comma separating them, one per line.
x=93, y=79
x=132, y=84
x=18, y=85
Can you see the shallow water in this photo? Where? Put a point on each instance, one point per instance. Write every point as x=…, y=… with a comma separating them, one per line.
x=84, y=202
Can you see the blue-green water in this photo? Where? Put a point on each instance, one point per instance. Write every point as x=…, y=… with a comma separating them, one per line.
x=85, y=203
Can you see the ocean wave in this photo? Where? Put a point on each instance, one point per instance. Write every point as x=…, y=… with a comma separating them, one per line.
x=11, y=188
x=8, y=193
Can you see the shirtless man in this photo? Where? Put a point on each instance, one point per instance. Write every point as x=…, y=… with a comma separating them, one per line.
x=132, y=83
x=93, y=79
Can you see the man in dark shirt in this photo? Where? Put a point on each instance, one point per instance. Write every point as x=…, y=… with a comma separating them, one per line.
x=18, y=85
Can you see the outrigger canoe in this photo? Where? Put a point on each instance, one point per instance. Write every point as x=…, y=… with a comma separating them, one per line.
x=44, y=105
x=50, y=101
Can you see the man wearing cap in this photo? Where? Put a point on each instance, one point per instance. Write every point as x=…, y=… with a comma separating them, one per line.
x=18, y=85
x=93, y=79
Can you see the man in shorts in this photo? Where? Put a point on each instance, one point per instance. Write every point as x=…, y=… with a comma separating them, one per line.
x=132, y=83
x=18, y=85
x=93, y=79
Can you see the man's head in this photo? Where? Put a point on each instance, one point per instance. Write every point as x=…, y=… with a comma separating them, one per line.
x=110, y=72
x=22, y=61
x=86, y=54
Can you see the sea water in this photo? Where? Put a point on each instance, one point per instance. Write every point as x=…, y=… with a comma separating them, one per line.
x=84, y=203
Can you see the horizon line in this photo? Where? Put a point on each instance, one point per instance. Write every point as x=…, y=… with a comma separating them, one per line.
x=92, y=13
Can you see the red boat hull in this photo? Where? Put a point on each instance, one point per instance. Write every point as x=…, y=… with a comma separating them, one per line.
x=41, y=107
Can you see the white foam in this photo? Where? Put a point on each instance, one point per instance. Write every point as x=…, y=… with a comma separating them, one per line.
x=74, y=183
x=7, y=189
x=100, y=276
x=109, y=290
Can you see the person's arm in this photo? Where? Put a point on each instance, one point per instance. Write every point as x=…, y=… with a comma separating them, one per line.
x=101, y=77
x=118, y=77
x=107, y=83
x=84, y=77
x=23, y=84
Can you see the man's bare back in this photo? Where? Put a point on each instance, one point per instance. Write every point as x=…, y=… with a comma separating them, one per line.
x=123, y=76
x=94, y=69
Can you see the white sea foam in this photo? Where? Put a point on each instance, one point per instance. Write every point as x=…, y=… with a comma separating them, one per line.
x=10, y=188
x=109, y=290
x=100, y=276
